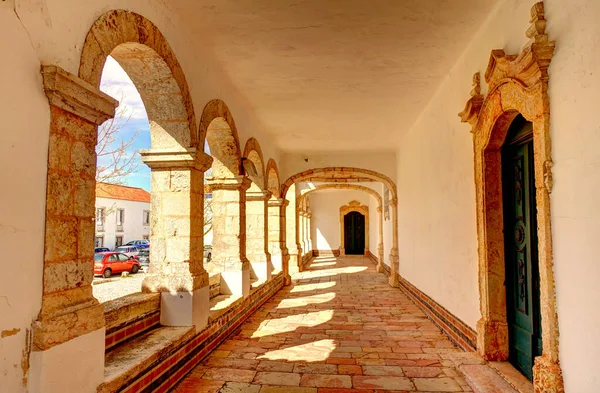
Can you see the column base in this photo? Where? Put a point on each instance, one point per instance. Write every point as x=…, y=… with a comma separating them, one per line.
x=263, y=270
x=492, y=340
x=185, y=308
x=547, y=376
x=76, y=365
x=236, y=283
x=393, y=280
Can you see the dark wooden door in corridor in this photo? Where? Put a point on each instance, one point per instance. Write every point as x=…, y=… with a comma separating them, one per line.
x=521, y=255
x=354, y=233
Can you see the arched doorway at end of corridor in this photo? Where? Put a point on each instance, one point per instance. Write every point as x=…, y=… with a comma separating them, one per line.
x=354, y=233
x=354, y=229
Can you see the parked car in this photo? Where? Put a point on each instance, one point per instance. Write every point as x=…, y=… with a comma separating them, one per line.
x=139, y=243
x=143, y=257
x=107, y=263
x=130, y=251
x=208, y=253
x=101, y=249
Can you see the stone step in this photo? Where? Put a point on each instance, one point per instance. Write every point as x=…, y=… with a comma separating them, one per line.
x=484, y=379
x=127, y=361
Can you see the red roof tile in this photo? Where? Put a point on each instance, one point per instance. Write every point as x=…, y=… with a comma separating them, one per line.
x=105, y=190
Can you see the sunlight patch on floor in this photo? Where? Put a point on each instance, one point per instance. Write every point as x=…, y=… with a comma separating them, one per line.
x=317, y=351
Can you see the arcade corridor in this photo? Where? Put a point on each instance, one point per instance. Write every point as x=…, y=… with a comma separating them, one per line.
x=339, y=328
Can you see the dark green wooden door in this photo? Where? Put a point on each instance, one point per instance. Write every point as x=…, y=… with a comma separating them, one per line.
x=521, y=257
x=354, y=233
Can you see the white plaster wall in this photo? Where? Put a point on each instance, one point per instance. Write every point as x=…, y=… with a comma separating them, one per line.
x=575, y=132
x=325, y=206
x=437, y=224
x=383, y=162
x=133, y=225
x=437, y=229
x=23, y=156
x=373, y=225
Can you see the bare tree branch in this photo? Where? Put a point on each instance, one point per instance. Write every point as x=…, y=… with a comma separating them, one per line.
x=207, y=215
x=115, y=159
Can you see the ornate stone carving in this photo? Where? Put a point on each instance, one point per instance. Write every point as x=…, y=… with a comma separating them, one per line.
x=516, y=84
x=471, y=112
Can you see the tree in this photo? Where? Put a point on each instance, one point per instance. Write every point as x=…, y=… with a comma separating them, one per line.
x=207, y=215
x=115, y=160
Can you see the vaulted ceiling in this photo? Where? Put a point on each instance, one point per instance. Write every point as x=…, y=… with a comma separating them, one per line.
x=336, y=74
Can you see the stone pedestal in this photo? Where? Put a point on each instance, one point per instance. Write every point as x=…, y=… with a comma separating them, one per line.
x=229, y=234
x=70, y=316
x=257, y=250
x=177, y=236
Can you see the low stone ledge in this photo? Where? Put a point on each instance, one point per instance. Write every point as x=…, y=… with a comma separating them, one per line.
x=129, y=308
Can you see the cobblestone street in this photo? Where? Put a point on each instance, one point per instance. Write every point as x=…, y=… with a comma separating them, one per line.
x=339, y=328
x=117, y=286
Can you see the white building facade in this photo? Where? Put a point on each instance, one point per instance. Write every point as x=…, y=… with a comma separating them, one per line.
x=122, y=215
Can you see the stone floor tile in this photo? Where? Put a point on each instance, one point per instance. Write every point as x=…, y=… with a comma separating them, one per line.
x=326, y=381
x=229, y=374
x=277, y=378
x=393, y=371
x=337, y=321
x=308, y=368
x=239, y=387
x=437, y=385
x=382, y=382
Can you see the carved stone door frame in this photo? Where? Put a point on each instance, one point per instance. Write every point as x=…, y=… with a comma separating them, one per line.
x=354, y=206
x=517, y=84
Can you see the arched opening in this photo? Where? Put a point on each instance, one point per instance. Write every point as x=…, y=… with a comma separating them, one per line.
x=344, y=175
x=228, y=185
x=354, y=233
x=257, y=219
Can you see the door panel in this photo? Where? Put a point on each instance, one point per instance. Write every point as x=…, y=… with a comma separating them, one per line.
x=354, y=233
x=520, y=237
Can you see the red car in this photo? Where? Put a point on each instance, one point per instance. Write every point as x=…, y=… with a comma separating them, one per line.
x=107, y=263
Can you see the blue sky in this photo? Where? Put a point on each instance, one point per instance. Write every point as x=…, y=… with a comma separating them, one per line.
x=117, y=84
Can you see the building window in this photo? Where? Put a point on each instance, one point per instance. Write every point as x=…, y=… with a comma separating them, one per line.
x=118, y=241
x=146, y=217
x=146, y=237
x=120, y=219
x=99, y=242
x=100, y=217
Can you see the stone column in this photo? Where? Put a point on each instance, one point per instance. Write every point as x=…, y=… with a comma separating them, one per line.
x=300, y=238
x=277, y=236
x=394, y=258
x=177, y=236
x=68, y=333
x=380, y=242
x=257, y=237
x=309, y=244
x=229, y=234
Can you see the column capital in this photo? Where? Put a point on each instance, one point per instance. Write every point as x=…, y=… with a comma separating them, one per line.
x=278, y=202
x=170, y=159
x=258, y=195
x=230, y=183
x=308, y=215
x=72, y=94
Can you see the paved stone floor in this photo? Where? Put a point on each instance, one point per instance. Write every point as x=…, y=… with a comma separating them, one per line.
x=340, y=328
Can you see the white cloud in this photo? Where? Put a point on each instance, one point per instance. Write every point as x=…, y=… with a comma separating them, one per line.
x=116, y=83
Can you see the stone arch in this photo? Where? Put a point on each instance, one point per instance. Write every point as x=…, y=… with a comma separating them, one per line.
x=517, y=85
x=354, y=206
x=253, y=153
x=357, y=187
x=347, y=175
x=217, y=127
x=340, y=174
x=144, y=53
x=273, y=181
x=343, y=186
